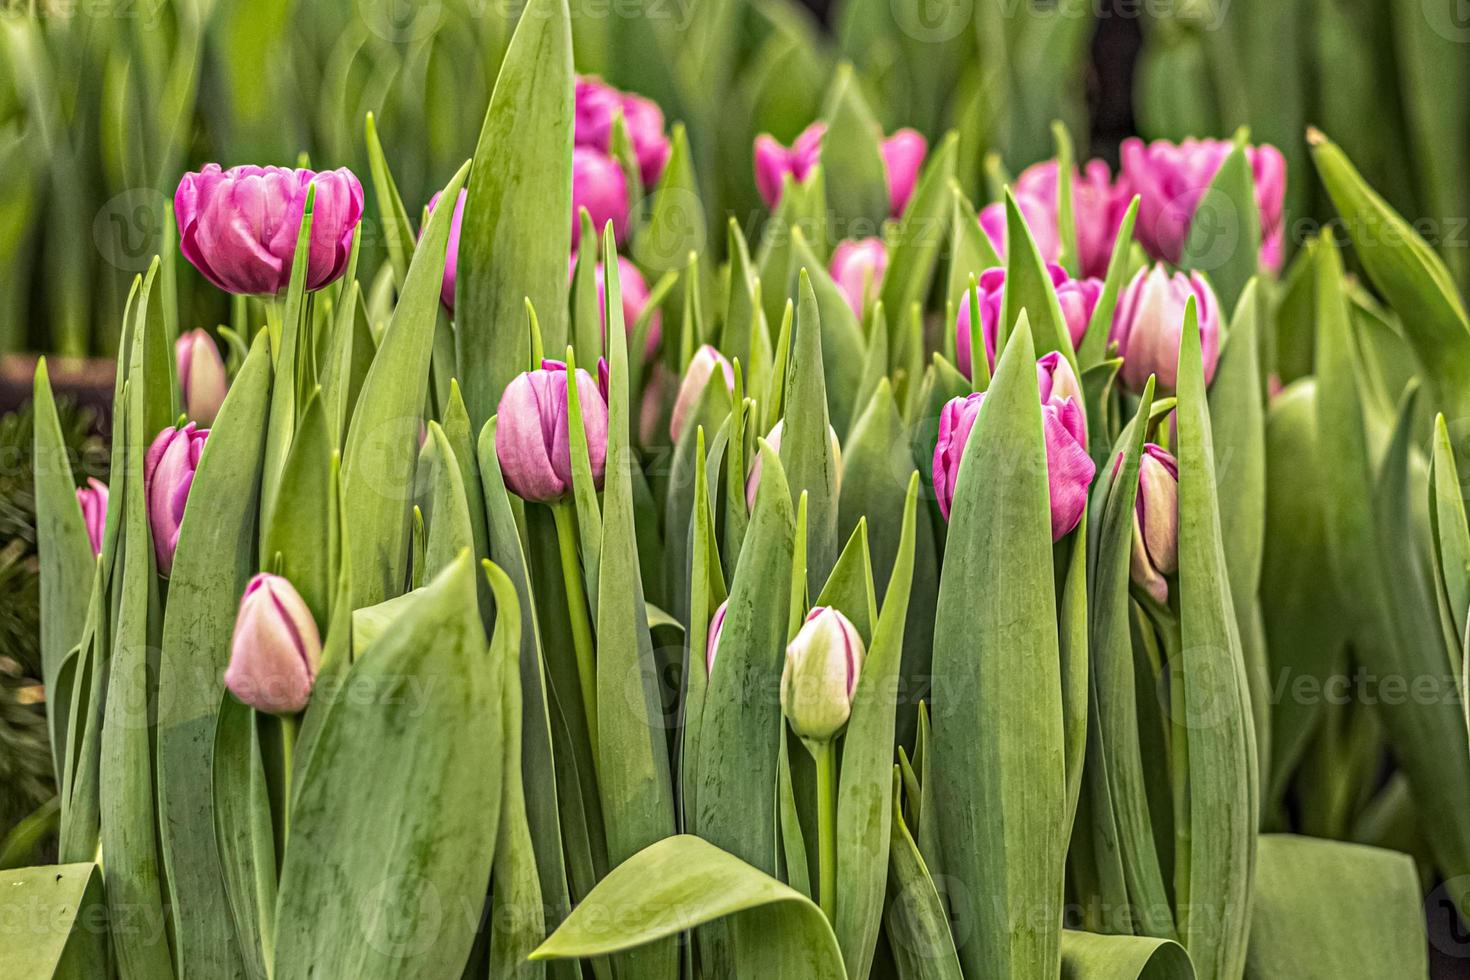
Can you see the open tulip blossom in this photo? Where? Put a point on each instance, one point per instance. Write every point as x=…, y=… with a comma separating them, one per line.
x=1098, y=201
x=903, y=154
x=238, y=227
x=1149, y=321
x=168, y=473
x=275, y=650
x=597, y=103
x=1172, y=179
x=599, y=186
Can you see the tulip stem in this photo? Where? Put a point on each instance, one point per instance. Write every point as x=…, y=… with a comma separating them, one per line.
x=571, y=573
x=826, y=755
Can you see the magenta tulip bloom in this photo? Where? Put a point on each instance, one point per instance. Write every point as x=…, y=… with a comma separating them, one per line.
x=451, y=255
x=821, y=672
x=238, y=227
x=1069, y=469
x=712, y=642
x=1058, y=382
x=903, y=155
x=1149, y=323
x=532, y=440
x=696, y=378
x=1155, y=551
x=202, y=377
x=1171, y=180
x=598, y=185
x=168, y=472
x=1098, y=206
x=858, y=267
x=1077, y=297
x=93, y=500
x=275, y=650
x=774, y=161
x=597, y=103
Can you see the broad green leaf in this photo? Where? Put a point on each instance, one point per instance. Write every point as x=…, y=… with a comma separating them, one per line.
x=297, y=538
x=842, y=336
x=632, y=749
x=684, y=881
x=1029, y=287
x=1224, y=238
x=806, y=445
x=971, y=251
x=1330, y=908
x=380, y=453
x=1095, y=341
x=1066, y=158
x=1132, y=881
x=67, y=564
x=517, y=921
x=1237, y=421
x=540, y=770
x=864, y=796
x=382, y=843
x=450, y=532
x=397, y=230
x=1215, y=769
x=1091, y=956
x=1450, y=537
x=741, y=727
x=63, y=943
x=1001, y=800
x=1410, y=276
x=916, y=920
x=803, y=205
x=849, y=588
x=852, y=160
x=516, y=233
x=706, y=592
x=133, y=877
x=212, y=565
x=243, y=832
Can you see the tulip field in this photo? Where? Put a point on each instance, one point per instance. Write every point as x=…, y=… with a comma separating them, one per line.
x=734, y=490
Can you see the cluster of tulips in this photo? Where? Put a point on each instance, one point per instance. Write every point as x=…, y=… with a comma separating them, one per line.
x=477, y=617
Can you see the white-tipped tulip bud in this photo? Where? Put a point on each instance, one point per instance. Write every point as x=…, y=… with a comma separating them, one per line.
x=712, y=642
x=276, y=649
x=821, y=672
x=701, y=368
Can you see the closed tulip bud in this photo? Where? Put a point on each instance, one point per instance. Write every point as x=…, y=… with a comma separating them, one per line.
x=451, y=256
x=1155, y=551
x=773, y=439
x=1149, y=323
x=598, y=103
x=1077, y=297
x=238, y=227
x=275, y=650
x=822, y=667
x=93, y=501
x=599, y=186
x=168, y=472
x=532, y=438
x=858, y=267
x=712, y=642
x=774, y=161
x=1172, y=180
x=903, y=155
x=701, y=368
x=202, y=376
x=1069, y=469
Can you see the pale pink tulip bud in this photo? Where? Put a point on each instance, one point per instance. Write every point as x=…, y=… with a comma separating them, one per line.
x=1149, y=323
x=532, y=437
x=202, y=377
x=1155, y=552
x=701, y=368
x=858, y=266
x=773, y=439
x=168, y=473
x=93, y=501
x=275, y=650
